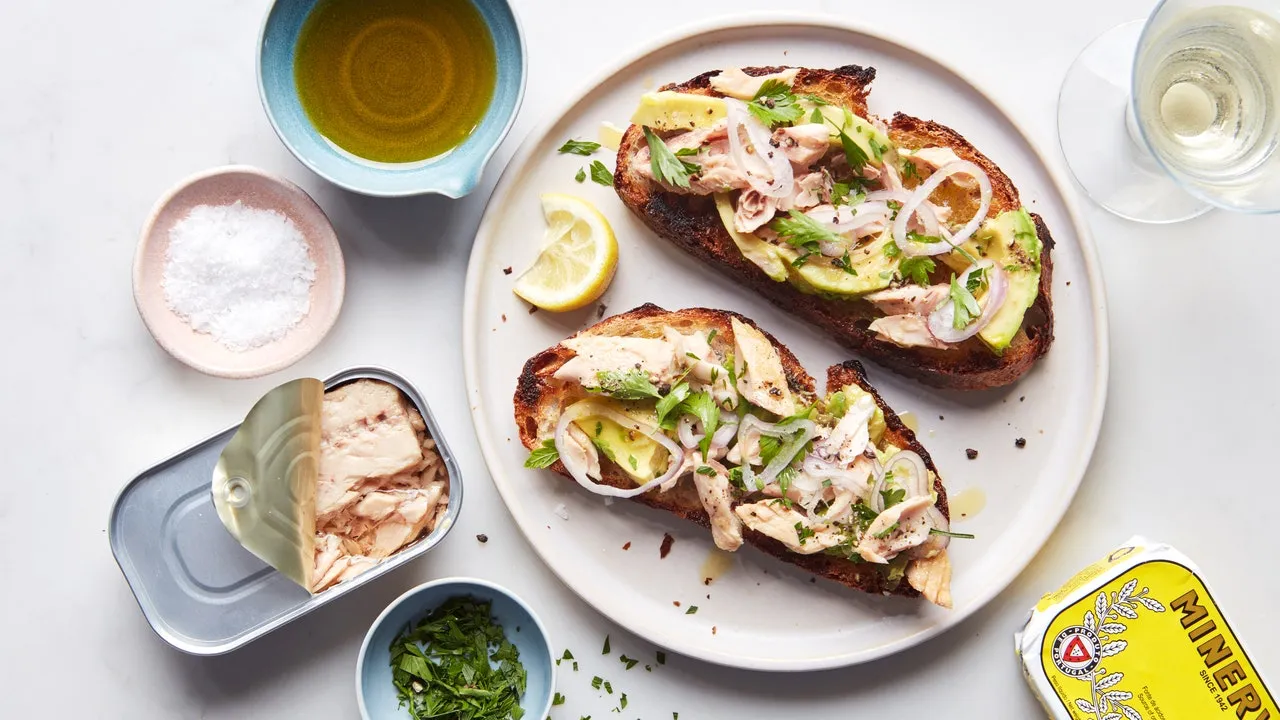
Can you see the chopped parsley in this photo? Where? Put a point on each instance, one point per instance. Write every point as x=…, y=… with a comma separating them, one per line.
x=914, y=236
x=976, y=280
x=948, y=533
x=886, y=532
x=909, y=169
x=631, y=385
x=631, y=460
x=606, y=646
x=892, y=497
x=458, y=662
x=543, y=456
x=702, y=406
x=582, y=175
x=803, y=531
x=966, y=307
x=916, y=269
x=891, y=249
x=816, y=117
x=845, y=264
x=579, y=147
x=600, y=174
x=693, y=609
x=803, y=231
x=595, y=682
x=706, y=470
x=840, y=193
x=671, y=400
x=864, y=516
x=608, y=687
x=558, y=699
x=567, y=656
x=628, y=661
x=774, y=104
x=661, y=657
x=853, y=152
x=668, y=168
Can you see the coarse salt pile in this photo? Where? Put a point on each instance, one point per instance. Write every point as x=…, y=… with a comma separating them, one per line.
x=240, y=274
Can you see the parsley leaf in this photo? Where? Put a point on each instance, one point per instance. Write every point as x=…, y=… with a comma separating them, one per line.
x=916, y=269
x=845, y=264
x=891, y=249
x=886, y=532
x=909, y=169
x=816, y=117
x=702, y=406
x=600, y=174
x=774, y=104
x=816, y=100
x=606, y=646
x=803, y=231
x=596, y=681
x=914, y=236
x=544, y=456
x=582, y=175
x=966, y=307
x=840, y=193
x=579, y=147
x=667, y=168
x=976, y=280
x=558, y=699
x=628, y=661
x=706, y=470
x=893, y=497
x=631, y=385
x=686, y=152
x=853, y=152
x=661, y=658
x=803, y=531
x=671, y=400
x=693, y=609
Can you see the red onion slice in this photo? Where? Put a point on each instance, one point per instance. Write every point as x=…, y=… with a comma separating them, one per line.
x=579, y=472
x=767, y=168
x=684, y=430
x=916, y=486
x=942, y=320
x=921, y=194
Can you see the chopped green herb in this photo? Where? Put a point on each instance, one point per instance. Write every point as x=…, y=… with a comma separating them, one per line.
x=711, y=335
x=661, y=657
x=815, y=99
x=706, y=470
x=976, y=280
x=891, y=249
x=816, y=117
x=622, y=701
x=914, y=236
x=629, y=662
x=648, y=667
x=845, y=264
x=826, y=483
x=567, y=655
x=631, y=385
x=769, y=447
x=803, y=531
x=840, y=193
x=864, y=515
x=909, y=169
x=774, y=104
x=667, y=168
x=544, y=456
x=702, y=406
x=575, y=666
x=672, y=399
x=607, y=687
x=688, y=152
x=948, y=533
x=558, y=699
x=802, y=259
x=599, y=428
x=735, y=478
x=803, y=231
x=837, y=404
x=604, y=448
x=605, y=651
x=579, y=147
x=631, y=459
x=582, y=175
x=916, y=269
x=853, y=152
x=600, y=174
x=893, y=496
x=966, y=307
x=457, y=662
x=595, y=682
x=693, y=609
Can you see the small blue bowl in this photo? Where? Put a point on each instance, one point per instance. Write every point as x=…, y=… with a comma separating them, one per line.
x=454, y=174
x=374, y=691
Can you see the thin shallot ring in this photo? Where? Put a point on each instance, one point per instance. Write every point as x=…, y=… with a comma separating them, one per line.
x=579, y=473
x=942, y=319
x=921, y=194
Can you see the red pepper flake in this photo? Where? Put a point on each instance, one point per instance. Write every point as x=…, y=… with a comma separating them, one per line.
x=627, y=546
x=504, y=317
x=676, y=603
x=506, y=270
x=667, y=542
x=713, y=629
x=533, y=309
x=971, y=453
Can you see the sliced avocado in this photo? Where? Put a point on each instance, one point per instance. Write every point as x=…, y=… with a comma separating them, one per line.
x=875, y=427
x=1010, y=240
x=753, y=248
x=670, y=110
x=860, y=130
x=872, y=270
x=637, y=455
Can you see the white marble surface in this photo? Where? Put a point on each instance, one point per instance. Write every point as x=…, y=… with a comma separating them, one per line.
x=107, y=104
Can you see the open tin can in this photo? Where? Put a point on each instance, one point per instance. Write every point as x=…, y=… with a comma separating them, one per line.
x=200, y=590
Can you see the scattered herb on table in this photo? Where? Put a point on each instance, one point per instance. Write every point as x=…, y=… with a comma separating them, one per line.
x=600, y=174
x=579, y=147
x=605, y=651
x=595, y=682
x=458, y=661
x=582, y=175
x=662, y=658
x=628, y=661
x=692, y=609
x=558, y=699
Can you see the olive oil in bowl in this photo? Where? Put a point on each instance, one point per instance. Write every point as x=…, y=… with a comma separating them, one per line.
x=395, y=81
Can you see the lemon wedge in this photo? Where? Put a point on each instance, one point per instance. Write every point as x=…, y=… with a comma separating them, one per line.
x=578, y=258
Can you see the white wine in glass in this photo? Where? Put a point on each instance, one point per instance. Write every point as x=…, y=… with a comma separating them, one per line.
x=1163, y=120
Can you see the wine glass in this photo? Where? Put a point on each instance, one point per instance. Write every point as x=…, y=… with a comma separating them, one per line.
x=1163, y=120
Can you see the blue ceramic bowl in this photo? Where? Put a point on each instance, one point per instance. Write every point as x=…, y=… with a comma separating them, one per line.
x=374, y=691
x=454, y=174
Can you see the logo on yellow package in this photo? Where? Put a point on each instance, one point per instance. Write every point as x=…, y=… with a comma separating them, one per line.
x=1139, y=637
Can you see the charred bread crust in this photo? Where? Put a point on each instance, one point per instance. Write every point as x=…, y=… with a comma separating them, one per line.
x=692, y=223
x=539, y=400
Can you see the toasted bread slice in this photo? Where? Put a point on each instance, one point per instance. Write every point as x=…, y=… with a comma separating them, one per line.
x=539, y=400
x=692, y=223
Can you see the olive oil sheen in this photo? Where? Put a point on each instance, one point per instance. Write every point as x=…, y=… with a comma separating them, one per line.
x=395, y=81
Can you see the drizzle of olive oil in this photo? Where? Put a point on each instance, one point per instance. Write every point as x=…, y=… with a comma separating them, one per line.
x=967, y=503
x=395, y=81
x=717, y=563
x=909, y=419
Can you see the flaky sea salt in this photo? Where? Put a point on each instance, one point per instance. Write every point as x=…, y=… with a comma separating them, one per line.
x=240, y=274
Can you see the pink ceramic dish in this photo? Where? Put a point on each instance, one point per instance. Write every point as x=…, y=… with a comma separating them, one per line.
x=259, y=189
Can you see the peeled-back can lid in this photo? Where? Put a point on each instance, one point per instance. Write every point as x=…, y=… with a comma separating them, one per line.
x=264, y=485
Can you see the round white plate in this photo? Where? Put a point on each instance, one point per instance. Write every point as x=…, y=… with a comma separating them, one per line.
x=762, y=613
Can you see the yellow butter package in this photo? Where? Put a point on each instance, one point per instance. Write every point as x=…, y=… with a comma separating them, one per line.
x=1138, y=636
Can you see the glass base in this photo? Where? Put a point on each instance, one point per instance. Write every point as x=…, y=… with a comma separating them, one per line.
x=1109, y=161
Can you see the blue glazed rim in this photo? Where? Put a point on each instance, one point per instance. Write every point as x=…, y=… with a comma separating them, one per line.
x=460, y=586
x=453, y=175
